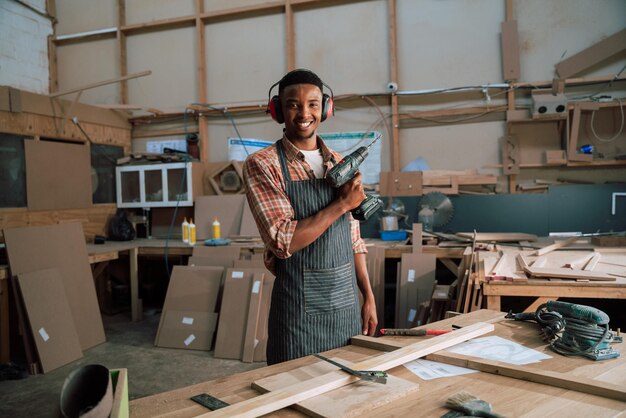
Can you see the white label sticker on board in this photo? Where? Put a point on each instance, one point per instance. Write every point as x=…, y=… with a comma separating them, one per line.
x=44, y=335
x=237, y=275
x=411, y=277
x=187, y=320
x=256, y=286
x=412, y=314
x=190, y=339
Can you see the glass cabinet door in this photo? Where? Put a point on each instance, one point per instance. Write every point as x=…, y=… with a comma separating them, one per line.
x=154, y=185
x=177, y=184
x=130, y=186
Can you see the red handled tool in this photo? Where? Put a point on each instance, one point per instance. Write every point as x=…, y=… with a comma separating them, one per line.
x=412, y=332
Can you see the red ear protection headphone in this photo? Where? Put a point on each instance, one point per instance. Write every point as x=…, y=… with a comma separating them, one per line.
x=275, y=109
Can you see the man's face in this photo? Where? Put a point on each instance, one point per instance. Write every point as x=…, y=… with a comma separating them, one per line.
x=302, y=108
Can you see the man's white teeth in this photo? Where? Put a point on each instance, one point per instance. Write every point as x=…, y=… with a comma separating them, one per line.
x=305, y=124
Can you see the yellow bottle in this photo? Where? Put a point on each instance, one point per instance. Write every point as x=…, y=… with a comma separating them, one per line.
x=185, y=227
x=217, y=233
x=192, y=232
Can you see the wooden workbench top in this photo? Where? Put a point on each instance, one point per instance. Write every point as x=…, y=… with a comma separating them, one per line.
x=510, y=397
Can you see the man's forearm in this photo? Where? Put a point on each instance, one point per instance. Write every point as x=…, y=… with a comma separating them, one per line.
x=310, y=229
x=362, y=277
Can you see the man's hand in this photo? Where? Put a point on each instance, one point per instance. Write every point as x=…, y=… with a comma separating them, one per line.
x=370, y=320
x=351, y=194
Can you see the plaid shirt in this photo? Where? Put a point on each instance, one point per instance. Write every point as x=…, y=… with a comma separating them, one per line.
x=271, y=207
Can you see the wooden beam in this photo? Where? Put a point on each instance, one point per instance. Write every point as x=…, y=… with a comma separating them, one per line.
x=101, y=83
x=546, y=377
x=593, y=55
x=203, y=128
x=393, y=63
x=272, y=401
x=290, y=35
x=121, y=50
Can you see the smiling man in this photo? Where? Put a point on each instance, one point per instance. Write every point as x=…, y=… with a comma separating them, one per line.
x=312, y=243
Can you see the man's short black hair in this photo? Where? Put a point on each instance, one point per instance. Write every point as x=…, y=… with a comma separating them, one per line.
x=300, y=76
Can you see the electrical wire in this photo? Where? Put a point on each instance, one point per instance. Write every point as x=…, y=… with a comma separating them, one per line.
x=187, y=159
x=619, y=132
x=225, y=112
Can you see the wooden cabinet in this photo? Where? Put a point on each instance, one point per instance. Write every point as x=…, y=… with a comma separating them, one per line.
x=158, y=185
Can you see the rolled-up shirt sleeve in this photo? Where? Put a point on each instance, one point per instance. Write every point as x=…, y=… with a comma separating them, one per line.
x=270, y=205
x=358, y=245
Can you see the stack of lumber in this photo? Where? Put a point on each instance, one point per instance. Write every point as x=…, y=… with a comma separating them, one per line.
x=551, y=262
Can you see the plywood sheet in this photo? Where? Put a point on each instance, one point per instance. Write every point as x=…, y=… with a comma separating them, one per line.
x=50, y=318
x=347, y=401
x=198, y=261
x=63, y=247
x=58, y=175
x=228, y=209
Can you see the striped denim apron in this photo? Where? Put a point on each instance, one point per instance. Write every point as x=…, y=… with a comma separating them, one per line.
x=315, y=305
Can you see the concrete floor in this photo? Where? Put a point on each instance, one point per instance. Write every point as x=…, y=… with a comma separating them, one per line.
x=129, y=345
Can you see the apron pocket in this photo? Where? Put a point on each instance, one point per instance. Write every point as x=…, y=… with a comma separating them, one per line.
x=328, y=290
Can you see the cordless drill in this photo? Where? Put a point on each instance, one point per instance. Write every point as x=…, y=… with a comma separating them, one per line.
x=344, y=171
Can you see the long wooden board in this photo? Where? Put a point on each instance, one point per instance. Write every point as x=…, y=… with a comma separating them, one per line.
x=546, y=377
x=347, y=401
x=273, y=401
x=568, y=274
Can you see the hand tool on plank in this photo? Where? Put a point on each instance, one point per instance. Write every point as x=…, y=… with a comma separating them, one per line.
x=412, y=332
x=372, y=376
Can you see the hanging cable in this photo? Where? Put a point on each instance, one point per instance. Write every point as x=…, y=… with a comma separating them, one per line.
x=619, y=132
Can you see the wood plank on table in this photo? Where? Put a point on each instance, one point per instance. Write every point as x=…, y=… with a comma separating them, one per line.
x=296, y=393
x=347, y=401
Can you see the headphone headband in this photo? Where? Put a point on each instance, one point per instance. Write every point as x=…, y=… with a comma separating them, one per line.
x=274, y=104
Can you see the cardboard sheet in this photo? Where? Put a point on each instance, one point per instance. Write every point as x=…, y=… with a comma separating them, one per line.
x=63, y=247
x=228, y=209
x=50, y=318
x=58, y=175
x=348, y=401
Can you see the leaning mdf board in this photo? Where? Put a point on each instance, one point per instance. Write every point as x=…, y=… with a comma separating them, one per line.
x=190, y=288
x=227, y=209
x=414, y=286
x=347, y=401
x=187, y=329
x=50, y=318
x=58, y=175
x=234, y=312
x=62, y=246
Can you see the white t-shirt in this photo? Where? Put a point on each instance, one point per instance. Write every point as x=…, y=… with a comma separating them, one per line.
x=316, y=161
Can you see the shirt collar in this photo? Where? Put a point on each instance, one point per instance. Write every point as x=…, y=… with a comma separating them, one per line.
x=292, y=152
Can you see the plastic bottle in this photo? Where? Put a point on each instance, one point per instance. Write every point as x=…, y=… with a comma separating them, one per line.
x=192, y=232
x=217, y=233
x=185, y=227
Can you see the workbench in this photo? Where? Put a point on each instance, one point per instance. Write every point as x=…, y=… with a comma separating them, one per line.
x=511, y=397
